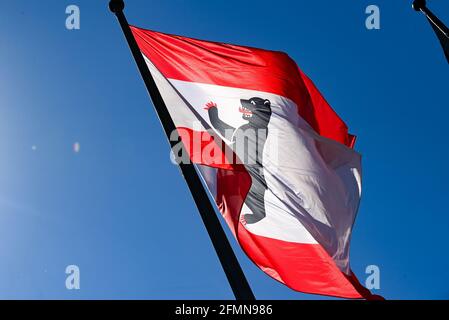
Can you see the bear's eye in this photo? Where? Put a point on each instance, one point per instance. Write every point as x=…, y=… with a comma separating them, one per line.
x=252, y=102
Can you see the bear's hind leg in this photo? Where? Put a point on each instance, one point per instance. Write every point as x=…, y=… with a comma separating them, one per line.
x=255, y=200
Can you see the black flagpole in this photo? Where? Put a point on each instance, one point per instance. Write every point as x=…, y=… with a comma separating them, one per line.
x=438, y=26
x=229, y=262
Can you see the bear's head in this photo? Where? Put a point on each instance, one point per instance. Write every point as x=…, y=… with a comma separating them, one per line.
x=256, y=110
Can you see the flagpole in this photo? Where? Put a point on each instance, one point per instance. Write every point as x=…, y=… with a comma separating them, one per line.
x=420, y=5
x=234, y=273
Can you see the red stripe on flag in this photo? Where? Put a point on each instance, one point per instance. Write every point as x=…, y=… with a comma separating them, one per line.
x=208, y=149
x=302, y=267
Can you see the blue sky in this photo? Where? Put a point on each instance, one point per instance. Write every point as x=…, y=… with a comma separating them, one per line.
x=121, y=211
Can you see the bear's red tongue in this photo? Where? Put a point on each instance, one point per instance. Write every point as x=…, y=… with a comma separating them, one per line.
x=245, y=111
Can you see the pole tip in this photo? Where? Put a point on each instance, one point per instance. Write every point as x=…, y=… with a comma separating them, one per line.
x=419, y=4
x=116, y=5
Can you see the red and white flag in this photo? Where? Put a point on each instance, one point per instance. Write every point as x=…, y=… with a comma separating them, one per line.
x=275, y=156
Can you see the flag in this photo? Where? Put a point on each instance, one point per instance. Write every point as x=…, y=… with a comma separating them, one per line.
x=274, y=155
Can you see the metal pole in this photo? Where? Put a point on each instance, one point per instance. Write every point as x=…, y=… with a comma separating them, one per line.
x=229, y=262
x=420, y=5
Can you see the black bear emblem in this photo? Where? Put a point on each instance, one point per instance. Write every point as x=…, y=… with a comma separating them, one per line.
x=251, y=138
